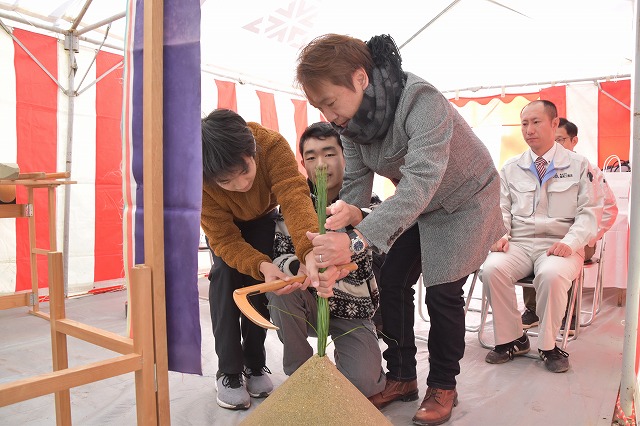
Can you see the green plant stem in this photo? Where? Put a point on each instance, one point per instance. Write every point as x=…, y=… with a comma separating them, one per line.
x=323, y=303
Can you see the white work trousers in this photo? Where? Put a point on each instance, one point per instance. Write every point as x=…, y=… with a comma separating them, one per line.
x=553, y=277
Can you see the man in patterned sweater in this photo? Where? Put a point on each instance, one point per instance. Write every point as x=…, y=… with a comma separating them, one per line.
x=357, y=353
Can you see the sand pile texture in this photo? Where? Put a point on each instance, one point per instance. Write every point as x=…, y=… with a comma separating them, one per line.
x=316, y=394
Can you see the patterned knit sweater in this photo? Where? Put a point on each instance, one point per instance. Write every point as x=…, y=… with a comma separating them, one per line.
x=356, y=296
x=277, y=182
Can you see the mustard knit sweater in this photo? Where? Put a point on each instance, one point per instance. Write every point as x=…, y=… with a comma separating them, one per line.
x=277, y=182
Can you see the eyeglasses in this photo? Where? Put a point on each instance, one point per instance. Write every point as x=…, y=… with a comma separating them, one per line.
x=561, y=140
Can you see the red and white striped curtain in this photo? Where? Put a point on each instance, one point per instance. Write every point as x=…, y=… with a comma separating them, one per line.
x=601, y=112
x=33, y=119
x=282, y=112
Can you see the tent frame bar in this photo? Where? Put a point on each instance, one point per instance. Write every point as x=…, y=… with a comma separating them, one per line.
x=595, y=80
x=78, y=18
x=64, y=32
x=101, y=23
x=23, y=47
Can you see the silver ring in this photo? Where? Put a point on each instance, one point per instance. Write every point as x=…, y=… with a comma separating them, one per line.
x=320, y=258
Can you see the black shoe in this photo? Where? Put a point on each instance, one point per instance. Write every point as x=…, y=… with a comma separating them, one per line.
x=556, y=360
x=572, y=328
x=505, y=352
x=529, y=319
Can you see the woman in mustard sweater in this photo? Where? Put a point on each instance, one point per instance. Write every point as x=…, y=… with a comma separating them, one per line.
x=248, y=171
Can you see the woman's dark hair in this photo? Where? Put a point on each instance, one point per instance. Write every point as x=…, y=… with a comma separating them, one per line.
x=320, y=130
x=333, y=58
x=226, y=142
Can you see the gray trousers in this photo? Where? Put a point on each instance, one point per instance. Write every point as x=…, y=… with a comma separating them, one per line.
x=357, y=353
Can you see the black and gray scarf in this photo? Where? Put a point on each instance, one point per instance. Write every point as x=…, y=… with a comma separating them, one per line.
x=380, y=99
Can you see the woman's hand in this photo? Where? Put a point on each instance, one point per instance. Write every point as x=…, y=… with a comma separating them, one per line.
x=330, y=249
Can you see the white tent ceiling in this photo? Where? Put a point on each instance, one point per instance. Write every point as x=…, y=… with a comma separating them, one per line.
x=472, y=43
x=455, y=44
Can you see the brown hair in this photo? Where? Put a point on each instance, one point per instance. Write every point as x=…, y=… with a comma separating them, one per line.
x=333, y=58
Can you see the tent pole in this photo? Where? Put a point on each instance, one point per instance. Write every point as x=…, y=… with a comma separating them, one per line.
x=71, y=46
x=628, y=385
x=445, y=10
x=80, y=15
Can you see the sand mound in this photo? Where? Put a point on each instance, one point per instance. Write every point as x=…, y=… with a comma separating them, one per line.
x=316, y=394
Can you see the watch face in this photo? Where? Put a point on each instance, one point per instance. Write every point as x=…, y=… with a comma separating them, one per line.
x=357, y=245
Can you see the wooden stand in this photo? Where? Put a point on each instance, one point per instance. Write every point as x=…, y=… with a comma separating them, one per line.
x=147, y=353
x=31, y=181
x=137, y=356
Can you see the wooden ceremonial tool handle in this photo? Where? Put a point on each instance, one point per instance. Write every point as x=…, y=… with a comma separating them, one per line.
x=278, y=284
x=241, y=296
x=57, y=175
x=34, y=175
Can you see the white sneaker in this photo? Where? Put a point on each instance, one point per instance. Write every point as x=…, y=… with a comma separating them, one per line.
x=259, y=385
x=232, y=393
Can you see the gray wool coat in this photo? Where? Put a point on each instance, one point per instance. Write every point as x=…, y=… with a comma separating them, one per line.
x=445, y=180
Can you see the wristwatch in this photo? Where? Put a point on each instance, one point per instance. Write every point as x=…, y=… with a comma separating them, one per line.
x=357, y=244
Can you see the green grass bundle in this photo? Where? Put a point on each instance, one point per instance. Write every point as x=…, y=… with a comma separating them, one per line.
x=323, y=303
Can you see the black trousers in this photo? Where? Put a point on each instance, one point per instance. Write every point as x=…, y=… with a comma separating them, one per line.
x=238, y=341
x=445, y=305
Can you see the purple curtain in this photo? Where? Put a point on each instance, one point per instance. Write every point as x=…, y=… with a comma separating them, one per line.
x=182, y=171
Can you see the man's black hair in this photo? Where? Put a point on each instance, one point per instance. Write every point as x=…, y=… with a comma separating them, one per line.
x=226, y=142
x=549, y=107
x=569, y=127
x=320, y=130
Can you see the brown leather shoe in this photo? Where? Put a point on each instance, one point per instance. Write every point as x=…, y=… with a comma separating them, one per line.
x=394, y=391
x=436, y=407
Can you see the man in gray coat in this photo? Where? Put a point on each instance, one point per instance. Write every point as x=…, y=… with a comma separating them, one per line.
x=441, y=221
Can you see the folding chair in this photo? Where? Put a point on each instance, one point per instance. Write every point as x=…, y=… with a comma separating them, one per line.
x=421, y=303
x=204, y=247
x=466, y=306
x=575, y=302
x=599, y=286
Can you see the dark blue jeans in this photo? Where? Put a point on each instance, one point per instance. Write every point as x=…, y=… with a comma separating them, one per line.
x=445, y=305
x=238, y=341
